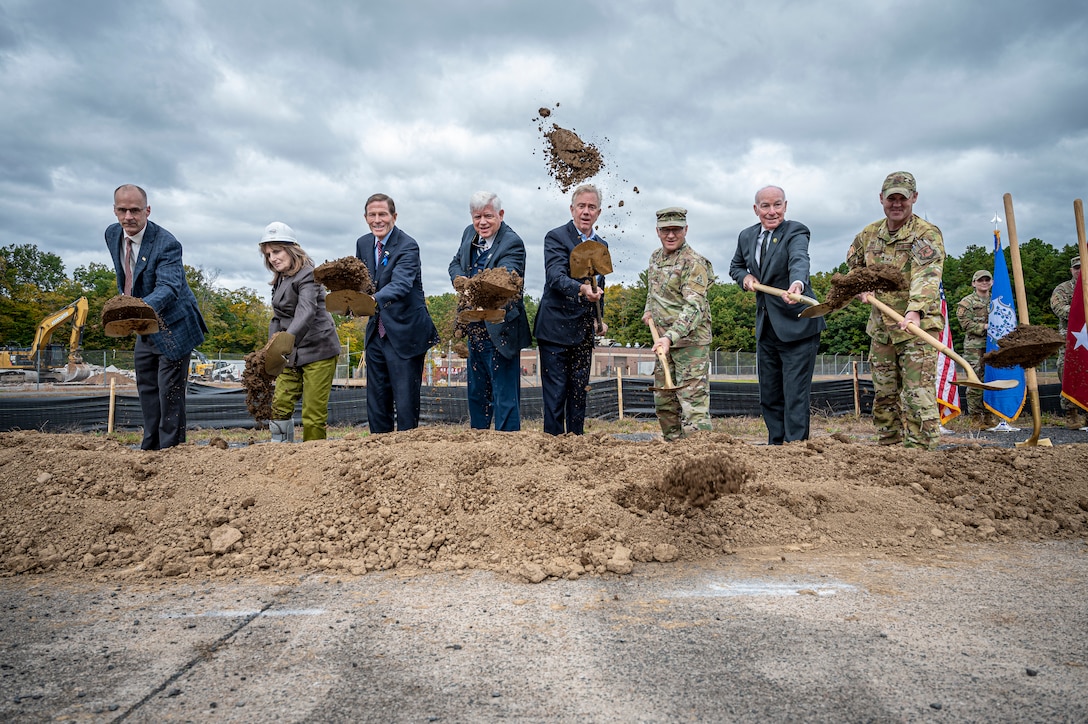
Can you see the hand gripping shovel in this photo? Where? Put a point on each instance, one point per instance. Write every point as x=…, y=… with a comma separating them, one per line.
x=669, y=386
x=972, y=378
x=779, y=292
x=588, y=259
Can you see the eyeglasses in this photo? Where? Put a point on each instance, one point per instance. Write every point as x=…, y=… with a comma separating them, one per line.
x=125, y=212
x=671, y=231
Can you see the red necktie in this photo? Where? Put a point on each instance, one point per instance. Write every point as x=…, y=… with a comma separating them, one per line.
x=377, y=263
x=128, y=267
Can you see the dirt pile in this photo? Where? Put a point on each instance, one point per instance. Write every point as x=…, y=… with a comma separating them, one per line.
x=522, y=504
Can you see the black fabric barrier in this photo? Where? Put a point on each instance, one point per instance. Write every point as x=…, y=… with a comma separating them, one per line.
x=212, y=407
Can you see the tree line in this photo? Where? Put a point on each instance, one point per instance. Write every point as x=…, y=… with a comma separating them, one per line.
x=33, y=284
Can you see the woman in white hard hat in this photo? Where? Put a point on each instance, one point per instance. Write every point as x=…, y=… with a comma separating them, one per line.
x=299, y=317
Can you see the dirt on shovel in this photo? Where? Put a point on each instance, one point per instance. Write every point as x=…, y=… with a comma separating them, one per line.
x=873, y=278
x=1026, y=346
x=347, y=273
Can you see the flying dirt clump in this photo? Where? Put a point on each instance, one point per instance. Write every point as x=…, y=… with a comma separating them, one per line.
x=259, y=386
x=346, y=273
x=702, y=480
x=1026, y=346
x=571, y=160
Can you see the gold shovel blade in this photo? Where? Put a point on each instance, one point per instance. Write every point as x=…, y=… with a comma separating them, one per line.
x=992, y=385
x=817, y=311
x=590, y=258
x=349, y=301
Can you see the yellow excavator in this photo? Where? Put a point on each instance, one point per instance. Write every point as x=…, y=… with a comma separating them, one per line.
x=40, y=363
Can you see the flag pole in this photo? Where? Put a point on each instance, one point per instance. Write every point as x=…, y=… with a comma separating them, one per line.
x=1032, y=382
x=1082, y=249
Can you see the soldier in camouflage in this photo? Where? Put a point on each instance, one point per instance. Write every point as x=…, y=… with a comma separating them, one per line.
x=904, y=367
x=1060, y=301
x=676, y=301
x=973, y=313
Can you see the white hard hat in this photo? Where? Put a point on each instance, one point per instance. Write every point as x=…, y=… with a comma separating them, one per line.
x=280, y=232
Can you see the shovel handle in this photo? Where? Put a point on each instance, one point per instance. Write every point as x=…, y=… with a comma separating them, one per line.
x=661, y=355
x=779, y=292
x=926, y=337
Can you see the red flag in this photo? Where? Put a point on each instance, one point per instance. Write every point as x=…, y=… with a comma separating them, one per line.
x=1075, y=372
x=948, y=394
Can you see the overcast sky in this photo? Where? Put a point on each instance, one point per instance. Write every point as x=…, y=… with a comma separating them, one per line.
x=236, y=114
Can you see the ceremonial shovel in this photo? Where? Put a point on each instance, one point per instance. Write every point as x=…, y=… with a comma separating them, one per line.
x=972, y=378
x=345, y=301
x=669, y=386
x=588, y=259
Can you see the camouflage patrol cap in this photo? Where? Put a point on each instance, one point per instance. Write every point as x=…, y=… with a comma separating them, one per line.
x=899, y=182
x=1075, y=261
x=981, y=274
x=672, y=216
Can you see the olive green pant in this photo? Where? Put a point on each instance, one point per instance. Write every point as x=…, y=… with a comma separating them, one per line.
x=689, y=404
x=905, y=383
x=313, y=383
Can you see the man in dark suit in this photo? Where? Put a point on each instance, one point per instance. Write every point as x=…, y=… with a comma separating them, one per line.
x=567, y=317
x=494, y=348
x=147, y=260
x=401, y=331
x=774, y=252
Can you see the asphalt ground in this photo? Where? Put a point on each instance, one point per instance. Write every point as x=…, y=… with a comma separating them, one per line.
x=979, y=633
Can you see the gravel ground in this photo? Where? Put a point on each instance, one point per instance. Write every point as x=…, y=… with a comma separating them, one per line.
x=985, y=633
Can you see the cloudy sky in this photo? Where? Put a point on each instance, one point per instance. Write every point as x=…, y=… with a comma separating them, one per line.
x=233, y=114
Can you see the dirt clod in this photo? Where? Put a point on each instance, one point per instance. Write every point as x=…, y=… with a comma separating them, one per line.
x=260, y=386
x=571, y=160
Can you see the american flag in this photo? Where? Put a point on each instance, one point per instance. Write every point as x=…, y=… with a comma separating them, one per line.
x=948, y=394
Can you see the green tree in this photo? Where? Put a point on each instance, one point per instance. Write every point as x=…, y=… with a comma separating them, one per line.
x=26, y=272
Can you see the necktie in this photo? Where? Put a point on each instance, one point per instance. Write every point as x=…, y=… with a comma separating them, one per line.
x=763, y=248
x=128, y=267
x=379, y=248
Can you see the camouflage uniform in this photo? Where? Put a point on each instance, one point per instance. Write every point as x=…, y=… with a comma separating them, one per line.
x=676, y=299
x=973, y=313
x=904, y=367
x=1060, y=302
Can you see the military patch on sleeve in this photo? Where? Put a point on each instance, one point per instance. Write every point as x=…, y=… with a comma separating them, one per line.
x=923, y=251
x=698, y=279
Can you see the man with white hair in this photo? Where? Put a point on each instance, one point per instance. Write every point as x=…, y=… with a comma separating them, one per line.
x=494, y=348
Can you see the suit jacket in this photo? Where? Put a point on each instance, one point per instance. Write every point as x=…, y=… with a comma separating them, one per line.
x=159, y=279
x=786, y=262
x=298, y=308
x=563, y=317
x=511, y=335
x=398, y=284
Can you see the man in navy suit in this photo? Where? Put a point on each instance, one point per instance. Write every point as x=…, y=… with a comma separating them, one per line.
x=147, y=260
x=567, y=317
x=774, y=252
x=494, y=348
x=401, y=331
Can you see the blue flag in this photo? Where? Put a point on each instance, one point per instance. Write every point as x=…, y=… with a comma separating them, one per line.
x=1006, y=404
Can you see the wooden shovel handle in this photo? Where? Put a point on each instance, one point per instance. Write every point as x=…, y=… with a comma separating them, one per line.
x=926, y=337
x=661, y=355
x=779, y=292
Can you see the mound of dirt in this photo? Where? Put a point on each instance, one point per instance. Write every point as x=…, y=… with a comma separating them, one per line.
x=527, y=505
x=1026, y=346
